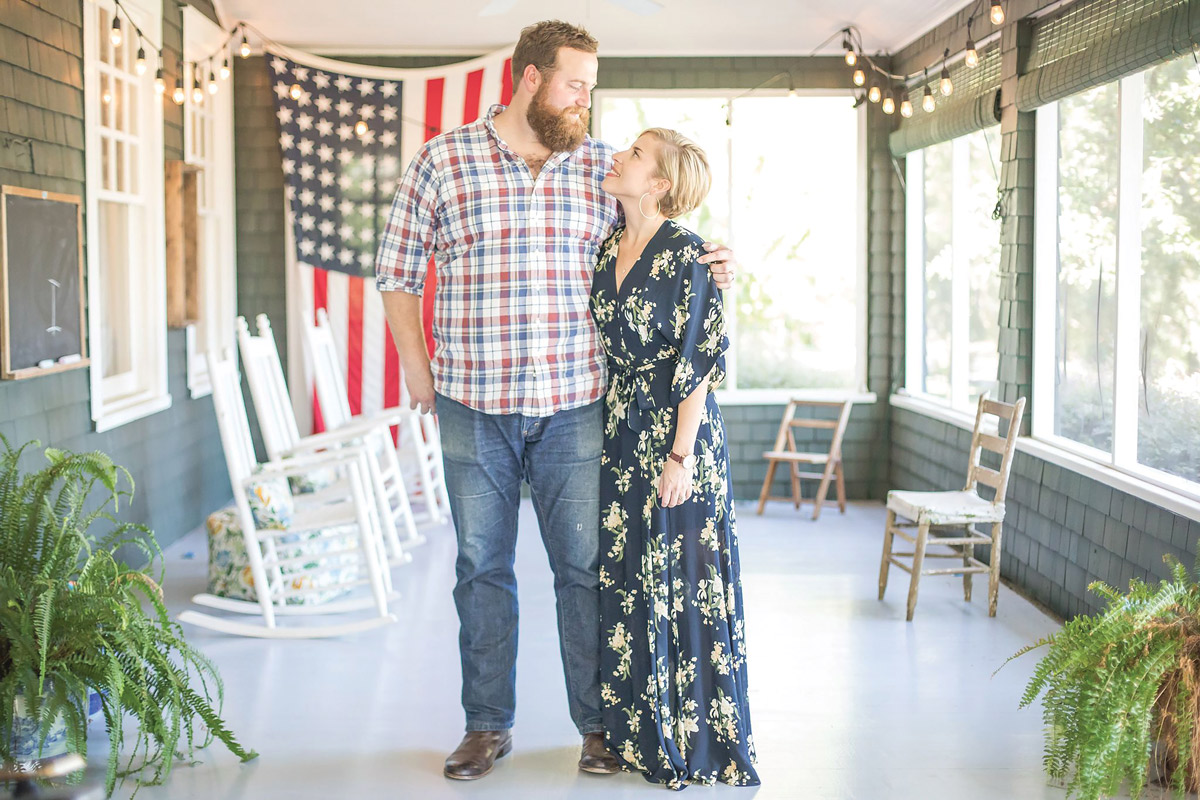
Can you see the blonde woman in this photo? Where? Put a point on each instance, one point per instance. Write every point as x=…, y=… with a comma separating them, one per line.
x=673, y=657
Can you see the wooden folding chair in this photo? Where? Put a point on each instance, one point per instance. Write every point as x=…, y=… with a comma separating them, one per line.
x=276, y=537
x=948, y=519
x=786, y=452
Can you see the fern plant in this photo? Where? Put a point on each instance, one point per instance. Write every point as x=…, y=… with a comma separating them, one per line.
x=74, y=617
x=1121, y=689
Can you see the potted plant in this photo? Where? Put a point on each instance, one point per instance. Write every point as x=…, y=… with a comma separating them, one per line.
x=77, y=620
x=1121, y=690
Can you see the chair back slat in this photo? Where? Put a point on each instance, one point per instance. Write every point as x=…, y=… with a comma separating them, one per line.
x=232, y=422
x=328, y=379
x=809, y=422
x=1011, y=413
x=268, y=389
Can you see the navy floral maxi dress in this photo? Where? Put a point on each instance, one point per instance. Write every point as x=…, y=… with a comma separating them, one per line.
x=673, y=655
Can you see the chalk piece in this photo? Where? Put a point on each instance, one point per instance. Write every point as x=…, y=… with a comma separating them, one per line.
x=71, y=359
x=46, y=362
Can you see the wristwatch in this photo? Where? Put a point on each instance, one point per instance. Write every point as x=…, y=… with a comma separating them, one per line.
x=688, y=461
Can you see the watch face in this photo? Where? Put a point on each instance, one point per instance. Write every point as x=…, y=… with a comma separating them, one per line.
x=689, y=460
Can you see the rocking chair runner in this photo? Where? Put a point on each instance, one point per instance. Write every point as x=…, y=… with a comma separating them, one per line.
x=270, y=544
x=948, y=519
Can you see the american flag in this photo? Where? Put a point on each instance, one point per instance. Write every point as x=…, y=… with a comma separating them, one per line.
x=347, y=132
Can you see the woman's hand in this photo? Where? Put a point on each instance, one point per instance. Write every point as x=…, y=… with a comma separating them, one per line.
x=721, y=262
x=675, y=484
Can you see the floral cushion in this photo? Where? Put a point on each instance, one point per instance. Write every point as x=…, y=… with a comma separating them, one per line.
x=313, y=481
x=271, y=504
x=229, y=568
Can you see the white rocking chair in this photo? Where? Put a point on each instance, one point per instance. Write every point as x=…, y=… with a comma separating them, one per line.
x=279, y=574
x=418, y=430
x=948, y=519
x=282, y=439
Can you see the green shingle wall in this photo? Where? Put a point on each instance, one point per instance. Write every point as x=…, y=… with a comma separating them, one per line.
x=752, y=429
x=174, y=456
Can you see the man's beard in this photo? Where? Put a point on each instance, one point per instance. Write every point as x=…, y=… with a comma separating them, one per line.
x=559, y=130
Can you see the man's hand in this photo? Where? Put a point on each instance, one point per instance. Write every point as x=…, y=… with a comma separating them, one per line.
x=420, y=389
x=721, y=263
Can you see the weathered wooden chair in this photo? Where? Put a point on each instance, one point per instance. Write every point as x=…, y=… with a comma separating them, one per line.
x=282, y=439
x=948, y=519
x=786, y=452
x=279, y=534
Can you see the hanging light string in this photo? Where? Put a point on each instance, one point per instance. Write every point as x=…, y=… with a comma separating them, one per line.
x=867, y=73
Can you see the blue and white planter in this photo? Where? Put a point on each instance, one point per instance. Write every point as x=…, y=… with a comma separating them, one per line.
x=26, y=744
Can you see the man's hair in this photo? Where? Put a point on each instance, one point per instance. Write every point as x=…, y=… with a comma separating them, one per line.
x=539, y=44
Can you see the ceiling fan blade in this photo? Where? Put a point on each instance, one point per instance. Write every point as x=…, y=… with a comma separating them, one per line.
x=643, y=7
x=497, y=7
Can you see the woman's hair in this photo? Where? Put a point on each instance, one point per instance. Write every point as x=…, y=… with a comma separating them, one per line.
x=539, y=44
x=683, y=163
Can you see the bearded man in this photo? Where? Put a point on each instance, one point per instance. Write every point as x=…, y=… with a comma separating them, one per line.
x=511, y=209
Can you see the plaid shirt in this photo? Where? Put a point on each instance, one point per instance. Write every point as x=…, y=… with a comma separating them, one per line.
x=514, y=259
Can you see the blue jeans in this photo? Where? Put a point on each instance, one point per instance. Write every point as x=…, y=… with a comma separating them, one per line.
x=486, y=458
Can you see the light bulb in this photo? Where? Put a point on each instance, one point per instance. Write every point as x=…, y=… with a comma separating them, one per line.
x=115, y=36
x=927, y=101
x=889, y=104
x=295, y=91
x=906, y=109
x=873, y=94
x=197, y=92
x=160, y=83
x=141, y=61
x=851, y=58
x=997, y=14
x=972, y=57
x=212, y=82
x=225, y=69
x=860, y=77
x=945, y=85
x=360, y=128
x=245, y=48
x=106, y=97
x=178, y=95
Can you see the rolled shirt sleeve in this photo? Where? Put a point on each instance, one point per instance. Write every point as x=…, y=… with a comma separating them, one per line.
x=410, y=234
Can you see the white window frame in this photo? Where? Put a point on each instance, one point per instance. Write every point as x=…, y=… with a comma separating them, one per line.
x=914, y=286
x=1123, y=459
x=145, y=389
x=218, y=273
x=735, y=396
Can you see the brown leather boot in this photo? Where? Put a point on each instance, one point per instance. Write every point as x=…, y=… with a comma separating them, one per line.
x=595, y=757
x=476, y=754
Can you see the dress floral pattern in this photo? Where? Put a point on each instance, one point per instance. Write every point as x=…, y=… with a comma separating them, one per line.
x=673, y=661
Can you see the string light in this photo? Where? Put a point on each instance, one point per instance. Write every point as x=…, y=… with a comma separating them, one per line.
x=873, y=94
x=197, y=92
x=295, y=92
x=860, y=77
x=906, y=109
x=927, y=102
x=997, y=13
x=245, y=49
x=225, y=69
x=972, y=55
x=178, y=95
x=360, y=128
x=851, y=56
x=212, y=80
x=140, y=68
x=889, y=103
x=945, y=85
x=160, y=83
x=115, y=36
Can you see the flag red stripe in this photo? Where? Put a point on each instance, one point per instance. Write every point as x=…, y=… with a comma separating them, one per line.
x=471, y=99
x=354, y=340
x=320, y=296
x=434, y=91
x=506, y=83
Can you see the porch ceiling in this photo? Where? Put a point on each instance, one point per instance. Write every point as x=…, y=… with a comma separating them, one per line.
x=680, y=28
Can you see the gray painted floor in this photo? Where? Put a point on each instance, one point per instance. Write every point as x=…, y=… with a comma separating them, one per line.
x=848, y=700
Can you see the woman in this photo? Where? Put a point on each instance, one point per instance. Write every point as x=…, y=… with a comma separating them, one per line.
x=673, y=663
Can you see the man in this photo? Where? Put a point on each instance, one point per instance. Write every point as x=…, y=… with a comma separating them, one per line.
x=511, y=209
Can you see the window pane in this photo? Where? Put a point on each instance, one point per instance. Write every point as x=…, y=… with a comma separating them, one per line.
x=115, y=289
x=795, y=218
x=939, y=267
x=1087, y=256
x=1169, y=396
x=981, y=247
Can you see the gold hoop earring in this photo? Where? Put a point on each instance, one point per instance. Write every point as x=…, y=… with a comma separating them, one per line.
x=657, y=206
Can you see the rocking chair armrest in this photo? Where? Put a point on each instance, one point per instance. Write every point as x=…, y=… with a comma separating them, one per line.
x=299, y=465
x=388, y=417
x=324, y=441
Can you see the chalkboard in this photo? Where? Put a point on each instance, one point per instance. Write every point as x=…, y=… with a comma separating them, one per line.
x=41, y=283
